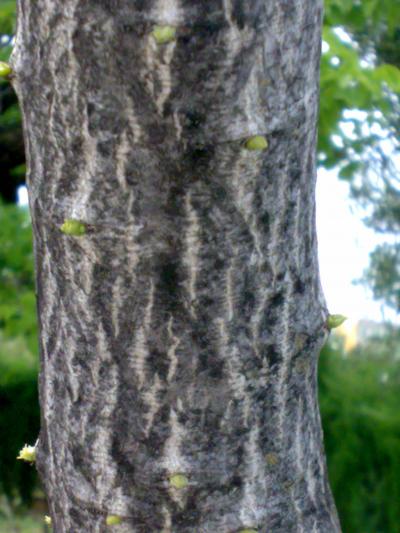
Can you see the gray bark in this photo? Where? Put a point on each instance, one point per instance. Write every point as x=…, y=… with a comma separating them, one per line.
x=181, y=333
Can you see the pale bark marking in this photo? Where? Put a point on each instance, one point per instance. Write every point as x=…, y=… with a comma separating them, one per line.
x=102, y=444
x=81, y=201
x=165, y=75
x=123, y=150
x=148, y=76
x=167, y=12
x=117, y=297
x=171, y=354
x=229, y=290
x=234, y=35
x=297, y=230
x=299, y=461
x=133, y=122
x=243, y=187
x=150, y=397
x=168, y=520
x=252, y=509
x=191, y=253
x=140, y=348
x=252, y=97
x=237, y=380
x=178, y=126
x=159, y=57
x=172, y=459
x=282, y=381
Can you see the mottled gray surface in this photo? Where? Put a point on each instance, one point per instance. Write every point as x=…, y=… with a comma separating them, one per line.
x=181, y=333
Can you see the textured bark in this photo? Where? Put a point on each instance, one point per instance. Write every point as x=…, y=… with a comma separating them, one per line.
x=181, y=333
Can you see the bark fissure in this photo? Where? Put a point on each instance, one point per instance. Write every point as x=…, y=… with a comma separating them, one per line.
x=180, y=333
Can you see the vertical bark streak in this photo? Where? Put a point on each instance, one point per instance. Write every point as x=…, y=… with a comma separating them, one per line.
x=180, y=334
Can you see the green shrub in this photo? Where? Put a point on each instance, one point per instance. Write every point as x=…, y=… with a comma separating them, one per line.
x=359, y=399
x=19, y=416
x=19, y=411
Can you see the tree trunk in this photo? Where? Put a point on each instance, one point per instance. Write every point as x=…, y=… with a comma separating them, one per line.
x=180, y=333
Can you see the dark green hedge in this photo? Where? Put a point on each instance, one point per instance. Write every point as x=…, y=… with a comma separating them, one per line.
x=360, y=398
x=19, y=424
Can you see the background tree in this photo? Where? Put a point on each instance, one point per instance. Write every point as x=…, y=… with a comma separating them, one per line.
x=12, y=157
x=359, y=404
x=360, y=127
x=18, y=351
x=184, y=363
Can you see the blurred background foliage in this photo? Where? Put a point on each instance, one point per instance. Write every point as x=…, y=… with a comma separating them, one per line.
x=359, y=134
x=359, y=400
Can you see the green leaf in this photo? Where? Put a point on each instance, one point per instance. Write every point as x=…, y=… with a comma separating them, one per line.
x=348, y=171
x=390, y=75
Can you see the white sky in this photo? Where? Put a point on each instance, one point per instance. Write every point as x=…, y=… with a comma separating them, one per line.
x=344, y=244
